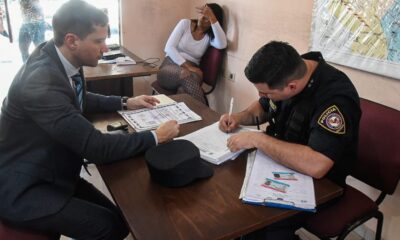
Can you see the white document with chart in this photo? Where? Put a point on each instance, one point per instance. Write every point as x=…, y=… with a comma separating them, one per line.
x=150, y=118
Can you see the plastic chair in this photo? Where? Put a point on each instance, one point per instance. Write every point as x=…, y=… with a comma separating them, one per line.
x=210, y=64
x=378, y=165
x=8, y=232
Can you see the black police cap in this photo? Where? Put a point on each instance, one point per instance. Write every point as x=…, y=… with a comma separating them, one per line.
x=176, y=164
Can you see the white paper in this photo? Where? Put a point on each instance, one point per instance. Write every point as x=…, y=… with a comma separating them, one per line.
x=150, y=118
x=212, y=143
x=164, y=99
x=299, y=193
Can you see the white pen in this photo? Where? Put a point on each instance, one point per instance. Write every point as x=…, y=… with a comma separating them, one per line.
x=230, y=112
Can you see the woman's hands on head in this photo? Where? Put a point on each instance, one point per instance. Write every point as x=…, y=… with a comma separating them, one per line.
x=207, y=13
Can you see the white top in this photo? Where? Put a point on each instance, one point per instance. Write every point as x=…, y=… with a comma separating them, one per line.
x=181, y=45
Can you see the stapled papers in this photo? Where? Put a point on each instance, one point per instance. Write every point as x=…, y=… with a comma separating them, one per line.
x=269, y=183
x=212, y=143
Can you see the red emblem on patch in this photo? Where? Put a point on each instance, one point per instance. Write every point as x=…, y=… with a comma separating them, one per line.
x=332, y=120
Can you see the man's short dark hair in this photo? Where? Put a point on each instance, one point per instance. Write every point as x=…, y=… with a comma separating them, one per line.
x=77, y=17
x=275, y=64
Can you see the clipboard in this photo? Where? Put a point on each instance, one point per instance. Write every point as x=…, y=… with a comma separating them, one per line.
x=299, y=194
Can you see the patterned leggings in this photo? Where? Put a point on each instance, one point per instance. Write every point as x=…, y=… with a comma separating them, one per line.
x=169, y=78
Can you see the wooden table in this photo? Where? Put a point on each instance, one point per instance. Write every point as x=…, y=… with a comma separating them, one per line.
x=206, y=209
x=110, y=79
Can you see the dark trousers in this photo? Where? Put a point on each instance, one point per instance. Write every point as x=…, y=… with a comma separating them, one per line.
x=88, y=215
x=282, y=230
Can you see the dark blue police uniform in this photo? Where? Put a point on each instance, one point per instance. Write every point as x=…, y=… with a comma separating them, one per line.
x=325, y=116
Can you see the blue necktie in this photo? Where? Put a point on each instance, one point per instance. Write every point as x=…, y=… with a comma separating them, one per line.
x=78, y=84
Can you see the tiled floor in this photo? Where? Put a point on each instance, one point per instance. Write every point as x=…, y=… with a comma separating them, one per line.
x=96, y=180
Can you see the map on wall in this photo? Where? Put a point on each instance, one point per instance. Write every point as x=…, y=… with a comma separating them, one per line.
x=363, y=34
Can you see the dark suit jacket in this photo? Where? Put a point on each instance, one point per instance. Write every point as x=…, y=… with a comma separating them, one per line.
x=44, y=138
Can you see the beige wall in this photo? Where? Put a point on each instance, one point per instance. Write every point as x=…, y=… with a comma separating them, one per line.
x=145, y=27
x=249, y=25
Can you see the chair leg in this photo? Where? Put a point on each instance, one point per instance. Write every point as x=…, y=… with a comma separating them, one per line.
x=344, y=234
x=379, y=224
x=205, y=97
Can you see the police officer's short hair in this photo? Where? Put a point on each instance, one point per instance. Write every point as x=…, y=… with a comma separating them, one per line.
x=275, y=64
x=77, y=17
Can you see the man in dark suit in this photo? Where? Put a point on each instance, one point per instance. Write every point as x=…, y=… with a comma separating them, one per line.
x=44, y=137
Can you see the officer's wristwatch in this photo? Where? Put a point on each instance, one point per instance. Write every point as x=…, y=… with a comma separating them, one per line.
x=124, y=103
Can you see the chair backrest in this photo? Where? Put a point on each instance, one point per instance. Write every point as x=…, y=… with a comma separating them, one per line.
x=378, y=162
x=8, y=232
x=210, y=64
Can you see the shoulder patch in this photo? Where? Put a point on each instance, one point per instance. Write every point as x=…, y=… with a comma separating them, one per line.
x=332, y=120
x=272, y=105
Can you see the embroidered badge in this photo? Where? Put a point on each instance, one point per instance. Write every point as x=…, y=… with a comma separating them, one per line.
x=332, y=120
x=272, y=105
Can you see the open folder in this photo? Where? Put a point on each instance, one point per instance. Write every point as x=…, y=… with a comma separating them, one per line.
x=268, y=183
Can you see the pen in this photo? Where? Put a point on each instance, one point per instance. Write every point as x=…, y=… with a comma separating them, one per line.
x=230, y=113
x=258, y=123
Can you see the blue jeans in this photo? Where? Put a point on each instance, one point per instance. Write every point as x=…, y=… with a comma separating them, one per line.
x=28, y=33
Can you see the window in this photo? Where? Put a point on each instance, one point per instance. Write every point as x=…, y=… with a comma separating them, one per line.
x=11, y=56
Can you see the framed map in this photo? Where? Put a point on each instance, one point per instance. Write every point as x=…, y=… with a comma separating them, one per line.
x=363, y=34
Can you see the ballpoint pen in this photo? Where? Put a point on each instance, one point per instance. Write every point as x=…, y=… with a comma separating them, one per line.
x=230, y=113
x=258, y=123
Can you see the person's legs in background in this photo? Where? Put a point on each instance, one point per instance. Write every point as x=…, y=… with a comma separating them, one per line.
x=192, y=86
x=38, y=32
x=24, y=40
x=168, y=75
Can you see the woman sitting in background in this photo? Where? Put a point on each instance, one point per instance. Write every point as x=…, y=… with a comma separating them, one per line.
x=186, y=45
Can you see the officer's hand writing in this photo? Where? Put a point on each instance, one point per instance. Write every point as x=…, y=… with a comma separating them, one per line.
x=141, y=102
x=228, y=124
x=167, y=131
x=243, y=140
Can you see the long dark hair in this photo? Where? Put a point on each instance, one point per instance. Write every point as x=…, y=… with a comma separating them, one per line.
x=219, y=14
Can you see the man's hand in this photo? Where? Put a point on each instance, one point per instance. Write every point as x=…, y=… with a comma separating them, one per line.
x=228, y=123
x=244, y=140
x=167, y=131
x=142, y=101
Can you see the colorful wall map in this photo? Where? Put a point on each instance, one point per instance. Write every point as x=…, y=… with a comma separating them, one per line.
x=363, y=34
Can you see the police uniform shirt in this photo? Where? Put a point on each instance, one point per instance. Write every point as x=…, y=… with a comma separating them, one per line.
x=325, y=116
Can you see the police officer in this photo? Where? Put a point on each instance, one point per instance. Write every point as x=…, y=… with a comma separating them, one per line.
x=313, y=112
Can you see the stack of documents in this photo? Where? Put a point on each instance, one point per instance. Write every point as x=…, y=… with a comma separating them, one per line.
x=270, y=184
x=212, y=143
x=150, y=118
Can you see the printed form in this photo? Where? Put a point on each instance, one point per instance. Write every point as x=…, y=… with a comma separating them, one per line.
x=150, y=118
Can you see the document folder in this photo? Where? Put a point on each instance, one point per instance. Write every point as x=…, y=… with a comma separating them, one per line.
x=262, y=186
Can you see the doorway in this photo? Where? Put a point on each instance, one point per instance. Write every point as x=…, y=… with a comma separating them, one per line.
x=11, y=58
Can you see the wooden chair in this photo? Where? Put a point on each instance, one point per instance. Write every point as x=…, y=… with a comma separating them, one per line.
x=378, y=165
x=8, y=232
x=210, y=64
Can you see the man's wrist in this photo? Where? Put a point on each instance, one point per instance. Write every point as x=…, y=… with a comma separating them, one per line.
x=155, y=136
x=124, y=103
